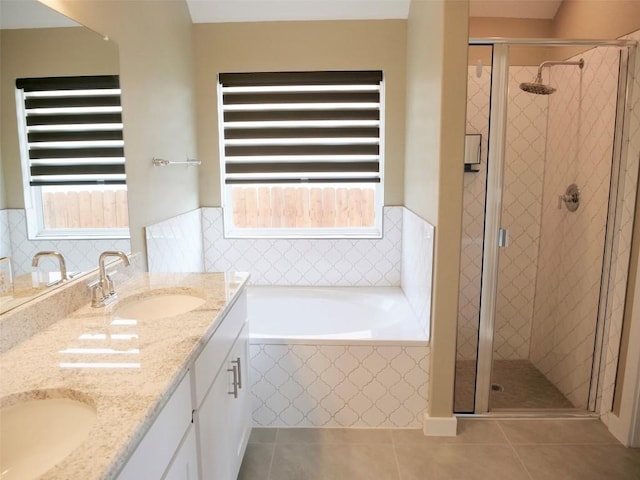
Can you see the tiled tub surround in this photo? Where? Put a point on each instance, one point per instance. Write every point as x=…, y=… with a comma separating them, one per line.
x=80, y=255
x=175, y=245
x=165, y=348
x=417, y=265
x=403, y=257
x=348, y=385
x=311, y=382
x=343, y=262
x=335, y=356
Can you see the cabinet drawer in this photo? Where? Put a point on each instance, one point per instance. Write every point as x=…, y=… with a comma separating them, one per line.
x=152, y=456
x=212, y=356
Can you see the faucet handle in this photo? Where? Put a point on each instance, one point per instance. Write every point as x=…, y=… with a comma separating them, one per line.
x=97, y=294
x=110, y=287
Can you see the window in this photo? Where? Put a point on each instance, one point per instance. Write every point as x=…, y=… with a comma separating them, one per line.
x=73, y=156
x=302, y=153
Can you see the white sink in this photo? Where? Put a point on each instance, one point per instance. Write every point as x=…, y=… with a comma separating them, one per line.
x=159, y=305
x=35, y=435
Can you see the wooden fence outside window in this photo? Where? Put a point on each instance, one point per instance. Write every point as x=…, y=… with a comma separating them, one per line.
x=302, y=207
x=85, y=209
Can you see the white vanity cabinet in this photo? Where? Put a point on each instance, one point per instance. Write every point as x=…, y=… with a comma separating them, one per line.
x=155, y=452
x=203, y=429
x=223, y=413
x=185, y=463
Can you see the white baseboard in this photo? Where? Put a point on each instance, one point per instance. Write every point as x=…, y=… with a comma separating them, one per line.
x=440, y=426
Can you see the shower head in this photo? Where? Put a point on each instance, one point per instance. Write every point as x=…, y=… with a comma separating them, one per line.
x=537, y=87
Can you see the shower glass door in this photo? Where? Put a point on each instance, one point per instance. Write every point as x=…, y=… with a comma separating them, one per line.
x=532, y=296
x=475, y=187
x=555, y=202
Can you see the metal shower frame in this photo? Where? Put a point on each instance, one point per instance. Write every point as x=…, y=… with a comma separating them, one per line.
x=493, y=208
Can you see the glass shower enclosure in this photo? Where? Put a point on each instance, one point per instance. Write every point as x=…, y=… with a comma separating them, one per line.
x=544, y=247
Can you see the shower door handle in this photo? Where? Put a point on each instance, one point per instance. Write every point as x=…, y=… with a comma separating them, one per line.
x=503, y=237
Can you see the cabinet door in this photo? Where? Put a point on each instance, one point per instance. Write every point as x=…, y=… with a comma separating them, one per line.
x=151, y=457
x=224, y=418
x=214, y=428
x=185, y=463
x=240, y=421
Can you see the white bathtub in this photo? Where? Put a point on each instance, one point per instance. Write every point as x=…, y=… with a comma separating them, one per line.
x=332, y=316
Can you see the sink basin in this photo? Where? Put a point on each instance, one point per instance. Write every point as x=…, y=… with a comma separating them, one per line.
x=35, y=435
x=161, y=305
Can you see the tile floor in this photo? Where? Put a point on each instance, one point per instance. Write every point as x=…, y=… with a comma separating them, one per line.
x=524, y=387
x=484, y=449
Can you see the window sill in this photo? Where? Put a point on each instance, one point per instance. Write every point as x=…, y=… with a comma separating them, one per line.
x=288, y=234
x=77, y=236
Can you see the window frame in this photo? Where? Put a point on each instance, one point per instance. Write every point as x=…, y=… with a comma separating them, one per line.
x=372, y=232
x=33, y=197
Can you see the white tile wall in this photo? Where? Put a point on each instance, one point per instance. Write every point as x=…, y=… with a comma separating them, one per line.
x=478, y=91
x=322, y=385
x=340, y=262
x=5, y=237
x=175, y=245
x=80, y=255
x=339, y=386
x=579, y=148
x=417, y=265
x=521, y=210
x=524, y=167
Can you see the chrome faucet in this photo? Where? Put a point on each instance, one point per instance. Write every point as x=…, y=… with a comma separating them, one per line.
x=103, y=292
x=58, y=255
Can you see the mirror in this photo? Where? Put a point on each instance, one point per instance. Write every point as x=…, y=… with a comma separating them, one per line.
x=36, y=42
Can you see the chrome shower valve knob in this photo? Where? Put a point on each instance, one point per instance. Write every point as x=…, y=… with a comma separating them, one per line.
x=571, y=198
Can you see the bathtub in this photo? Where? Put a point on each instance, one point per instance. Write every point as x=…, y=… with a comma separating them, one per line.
x=336, y=357
x=332, y=315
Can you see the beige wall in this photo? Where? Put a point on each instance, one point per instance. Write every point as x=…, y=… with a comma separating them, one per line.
x=512, y=28
x=42, y=52
x=588, y=19
x=156, y=75
x=602, y=19
x=436, y=100
x=269, y=46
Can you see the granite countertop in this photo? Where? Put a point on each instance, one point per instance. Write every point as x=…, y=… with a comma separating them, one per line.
x=126, y=368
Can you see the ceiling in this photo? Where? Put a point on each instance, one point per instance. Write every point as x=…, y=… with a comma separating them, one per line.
x=32, y=14
x=215, y=11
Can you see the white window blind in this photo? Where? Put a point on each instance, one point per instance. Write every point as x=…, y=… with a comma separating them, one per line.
x=73, y=130
x=301, y=127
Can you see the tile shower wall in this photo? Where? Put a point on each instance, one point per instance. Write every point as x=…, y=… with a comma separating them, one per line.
x=175, y=245
x=338, y=262
x=521, y=210
x=339, y=385
x=417, y=265
x=579, y=149
x=524, y=166
x=81, y=255
x=478, y=91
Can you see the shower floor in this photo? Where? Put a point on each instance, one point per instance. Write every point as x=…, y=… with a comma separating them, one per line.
x=523, y=387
